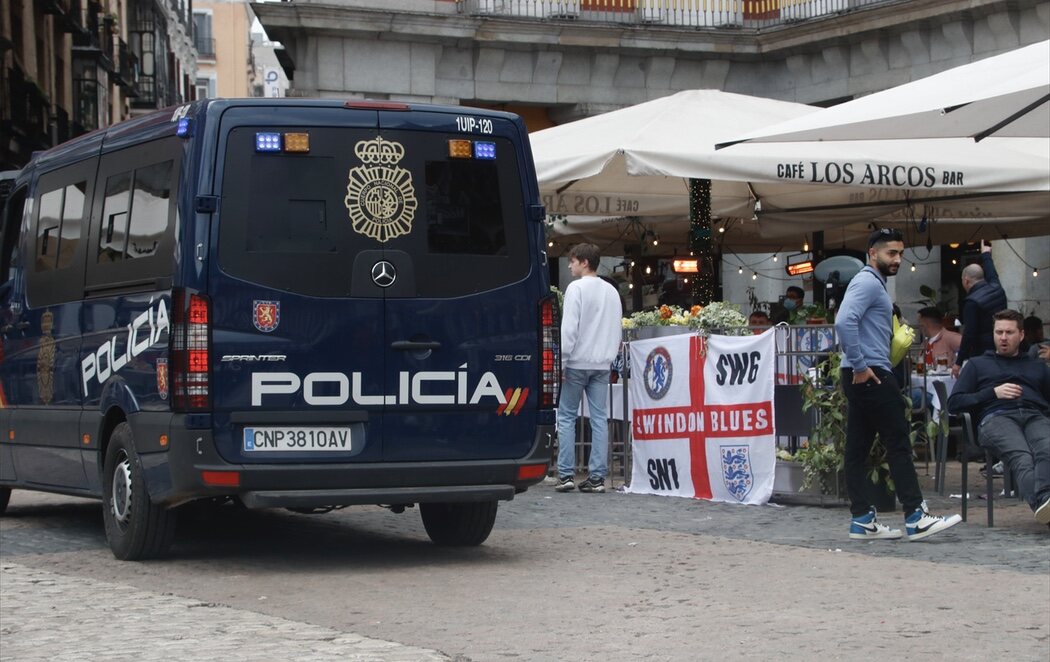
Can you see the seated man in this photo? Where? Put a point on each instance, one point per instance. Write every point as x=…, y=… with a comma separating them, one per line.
x=1009, y=394
x=938, y=340
x=759, y=319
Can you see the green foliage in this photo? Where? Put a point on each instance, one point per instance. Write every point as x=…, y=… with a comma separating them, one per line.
x=807, y=312
x=825, y=451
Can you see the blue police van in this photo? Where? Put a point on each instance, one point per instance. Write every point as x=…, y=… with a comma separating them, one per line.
x=291, y=303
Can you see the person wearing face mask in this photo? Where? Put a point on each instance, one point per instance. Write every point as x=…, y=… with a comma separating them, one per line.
x=792, y=301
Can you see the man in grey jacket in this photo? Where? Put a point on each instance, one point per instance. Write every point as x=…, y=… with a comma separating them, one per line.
x=864, y=326
x=590, y=339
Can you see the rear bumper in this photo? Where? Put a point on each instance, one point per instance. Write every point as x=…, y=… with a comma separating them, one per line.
x=177, y=476
x=385, y=496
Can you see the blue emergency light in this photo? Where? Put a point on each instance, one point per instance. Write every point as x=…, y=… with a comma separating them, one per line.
x=267, y=142
x=484, y=150
x=184, y=127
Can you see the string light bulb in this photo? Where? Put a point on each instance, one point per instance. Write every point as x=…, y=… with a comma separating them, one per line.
x=805, y=245
x=722, y=229
x=754, y=275
x=775, y=258
x=913, y=266
x=740, y=270
x=648, y=269
x=1035, y=273
x=550, y=244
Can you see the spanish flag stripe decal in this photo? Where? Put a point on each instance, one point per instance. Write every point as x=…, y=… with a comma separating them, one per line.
x=521, y=400
x=512, y=402
x=506, y=396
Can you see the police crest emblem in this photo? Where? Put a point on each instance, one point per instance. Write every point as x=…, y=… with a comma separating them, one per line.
x=162, y=378
x=45, y=359
x=267, y=315
x=736, y=470
x=380, y=198
x=658, y=372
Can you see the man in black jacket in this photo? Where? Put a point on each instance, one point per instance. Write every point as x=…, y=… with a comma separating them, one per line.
x=1009, y=393
x=984, y=298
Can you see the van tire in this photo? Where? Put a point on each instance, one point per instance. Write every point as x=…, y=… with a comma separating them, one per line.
x=459, y=524
x=135, y=528
x=5, y=496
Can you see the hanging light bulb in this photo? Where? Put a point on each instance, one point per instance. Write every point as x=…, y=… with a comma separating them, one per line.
x=954, y=261
x=630, y=286
x=913, y=266
x=775, y=257
x=550, y=244
x=721, y=228
x=754, y=275
x=655, y=241
x=740, y=270
x=648, y=270
x=805, y=245
x=1035, y=273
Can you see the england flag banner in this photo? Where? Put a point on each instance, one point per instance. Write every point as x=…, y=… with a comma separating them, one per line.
x=702, y=424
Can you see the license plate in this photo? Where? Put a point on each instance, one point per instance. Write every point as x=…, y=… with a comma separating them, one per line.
x=285, y=439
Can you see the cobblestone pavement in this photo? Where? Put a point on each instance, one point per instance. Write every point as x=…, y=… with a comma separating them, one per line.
x=564, y=575
x=46, y=616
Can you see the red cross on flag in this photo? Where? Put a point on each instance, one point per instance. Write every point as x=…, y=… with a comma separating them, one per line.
x=702, y=424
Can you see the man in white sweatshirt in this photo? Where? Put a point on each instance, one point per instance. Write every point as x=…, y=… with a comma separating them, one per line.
x=590, y=340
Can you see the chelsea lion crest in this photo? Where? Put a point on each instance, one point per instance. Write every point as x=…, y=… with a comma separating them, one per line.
x=657, y=373
x=380, y=197
x=736, y=470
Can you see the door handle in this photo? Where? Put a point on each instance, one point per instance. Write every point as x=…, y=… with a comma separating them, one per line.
x=413, y=345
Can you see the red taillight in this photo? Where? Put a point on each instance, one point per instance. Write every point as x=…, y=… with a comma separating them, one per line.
x=190, y=351
x=221, y=478
x=550, y=377
x=532, y=471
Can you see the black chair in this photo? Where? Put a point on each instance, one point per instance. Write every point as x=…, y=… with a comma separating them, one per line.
x=963, y=423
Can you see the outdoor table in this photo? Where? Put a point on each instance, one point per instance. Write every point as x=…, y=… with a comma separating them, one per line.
x=928, y=381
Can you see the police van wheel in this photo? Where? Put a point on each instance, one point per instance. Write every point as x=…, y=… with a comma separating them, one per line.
x=459, y=524
x=5, y=496
x=135, y=527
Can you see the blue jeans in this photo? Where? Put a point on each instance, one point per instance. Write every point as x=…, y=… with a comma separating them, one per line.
x=596, y=384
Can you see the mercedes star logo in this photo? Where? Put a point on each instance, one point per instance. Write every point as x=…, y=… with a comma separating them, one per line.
x=383, y=274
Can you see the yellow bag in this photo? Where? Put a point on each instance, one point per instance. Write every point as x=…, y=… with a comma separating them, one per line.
x=900, y=343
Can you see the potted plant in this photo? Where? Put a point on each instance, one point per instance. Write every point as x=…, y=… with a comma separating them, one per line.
x=715, y=318
x=810, y=313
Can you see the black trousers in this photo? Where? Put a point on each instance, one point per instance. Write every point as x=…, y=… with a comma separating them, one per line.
x=878, y=408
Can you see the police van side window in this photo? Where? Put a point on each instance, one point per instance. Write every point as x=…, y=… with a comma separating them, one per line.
x=58, y=226
x=135, y=215
x=55, y=270
x=133, y=225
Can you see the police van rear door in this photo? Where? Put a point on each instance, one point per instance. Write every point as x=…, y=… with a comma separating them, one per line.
x=298, y=331
x=461, y=313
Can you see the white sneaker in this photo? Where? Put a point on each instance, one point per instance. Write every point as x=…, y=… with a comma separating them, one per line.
x=867, y=527
x=920, y=523
x=1042, y=513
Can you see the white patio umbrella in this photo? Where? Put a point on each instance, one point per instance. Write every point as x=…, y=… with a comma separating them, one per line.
x=1006, y=95
x=635, y=162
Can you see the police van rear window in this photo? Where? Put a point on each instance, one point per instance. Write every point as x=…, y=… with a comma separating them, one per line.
x=299, y=204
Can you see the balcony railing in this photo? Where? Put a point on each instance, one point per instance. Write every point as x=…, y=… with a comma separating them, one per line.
x=671, y=13
x=205, y=46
